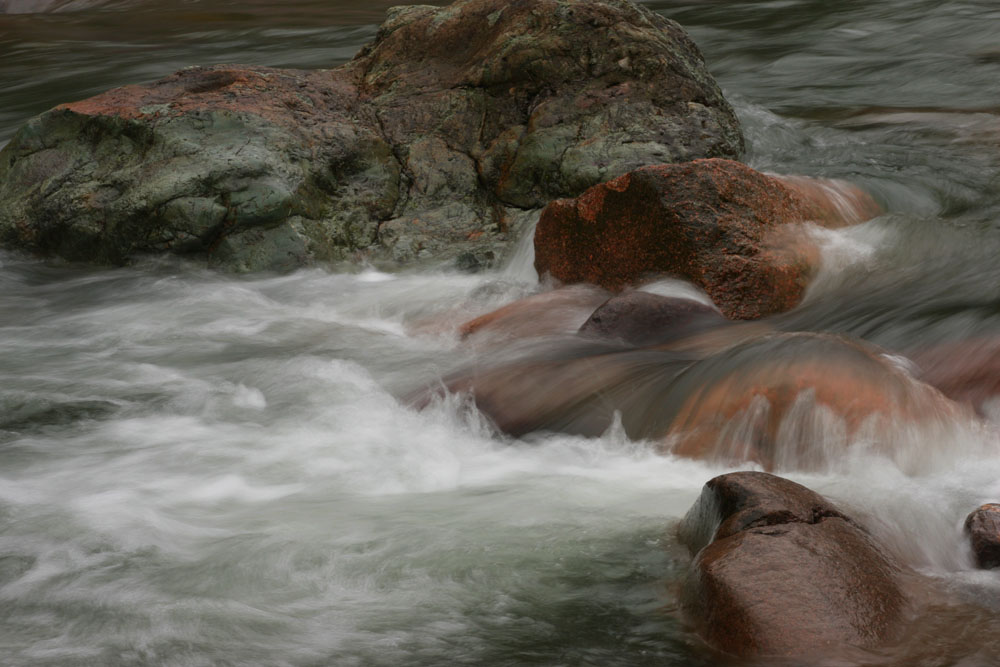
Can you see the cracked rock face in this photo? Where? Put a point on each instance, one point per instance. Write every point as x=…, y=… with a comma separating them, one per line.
x=779, y=571
x=439, y=141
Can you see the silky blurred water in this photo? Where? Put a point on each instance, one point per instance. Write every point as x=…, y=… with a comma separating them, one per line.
x=202, y=469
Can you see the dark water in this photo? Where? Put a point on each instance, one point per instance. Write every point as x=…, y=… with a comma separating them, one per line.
x=199, y=469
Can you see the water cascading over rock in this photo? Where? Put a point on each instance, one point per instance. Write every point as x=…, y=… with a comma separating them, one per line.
x=731, y=394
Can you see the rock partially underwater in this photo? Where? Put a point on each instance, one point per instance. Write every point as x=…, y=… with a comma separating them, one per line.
x=730, y=394
x=439, y=141
x=779, y=571
x=642, y=318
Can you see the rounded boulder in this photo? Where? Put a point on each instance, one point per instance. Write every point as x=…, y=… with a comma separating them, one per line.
x=779, y=571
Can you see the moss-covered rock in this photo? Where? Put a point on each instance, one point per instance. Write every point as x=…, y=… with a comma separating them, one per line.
x=439, y=141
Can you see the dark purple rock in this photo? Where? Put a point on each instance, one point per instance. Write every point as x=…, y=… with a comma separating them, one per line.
x=642, y=318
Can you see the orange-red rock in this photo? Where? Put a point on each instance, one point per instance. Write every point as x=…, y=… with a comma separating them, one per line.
x=767, y=400
x=830, y=202
x=781, y=400
x=714, y=222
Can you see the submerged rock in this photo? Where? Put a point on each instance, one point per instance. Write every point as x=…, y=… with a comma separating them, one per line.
x=439, y=141
x=797, y=400
x=779, y=571
x=714, y=222
x=558, y=311
x=983, y=529
x=967, y=371
x=731, y=394
x=641, y=318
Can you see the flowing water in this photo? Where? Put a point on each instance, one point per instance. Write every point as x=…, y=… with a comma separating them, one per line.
x=202, y=469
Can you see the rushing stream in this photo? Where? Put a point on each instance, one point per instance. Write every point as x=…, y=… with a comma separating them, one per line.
x=204, y=469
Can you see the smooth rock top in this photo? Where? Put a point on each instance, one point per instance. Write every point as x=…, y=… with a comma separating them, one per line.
x=641, y=318
x=736, y=502
x=437, y=142
x=779, y=571
x=558, y=311
x=771, y=399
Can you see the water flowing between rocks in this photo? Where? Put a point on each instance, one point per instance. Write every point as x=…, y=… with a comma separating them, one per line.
x=207, y=469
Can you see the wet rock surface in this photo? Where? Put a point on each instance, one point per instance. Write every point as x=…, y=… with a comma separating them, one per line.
x=967, y=371
x=558, y=311
x=732, y=394
x=439, y=141
x=641, y=318
x=983, y=528
x=768, y=400
x=717, y=223
x=779, y=571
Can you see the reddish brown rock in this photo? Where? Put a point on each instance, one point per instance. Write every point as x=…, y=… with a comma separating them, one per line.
x=558, y=311
x=772, y=400
x=714, y=222
x=641, y=318
x=780, y=571
x=983, y=528
x=788, y=401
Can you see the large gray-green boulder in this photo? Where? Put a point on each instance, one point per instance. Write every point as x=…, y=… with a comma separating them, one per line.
x=439, y=141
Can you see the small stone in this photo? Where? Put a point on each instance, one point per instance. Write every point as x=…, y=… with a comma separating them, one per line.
x=983, y=528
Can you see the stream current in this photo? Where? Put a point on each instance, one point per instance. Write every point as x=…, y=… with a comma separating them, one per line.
x=206, y=469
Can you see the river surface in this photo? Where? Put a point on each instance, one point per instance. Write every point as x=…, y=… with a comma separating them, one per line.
x=202, y=469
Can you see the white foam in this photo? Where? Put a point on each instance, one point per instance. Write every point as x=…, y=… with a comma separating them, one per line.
x=843, y=251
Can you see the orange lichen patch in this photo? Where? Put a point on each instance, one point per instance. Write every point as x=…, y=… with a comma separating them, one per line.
x=123, y=102
x=282, y=96
x=709, y=221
